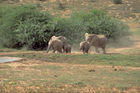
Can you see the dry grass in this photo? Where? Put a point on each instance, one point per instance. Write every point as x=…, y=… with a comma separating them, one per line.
x=39, y=76
x=128, y=10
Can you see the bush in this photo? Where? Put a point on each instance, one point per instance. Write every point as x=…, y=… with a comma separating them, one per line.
x=117, y=1
x=1, y=1
x=94, y=22
x=24, y=26
x=98, y=22
x=73, y=29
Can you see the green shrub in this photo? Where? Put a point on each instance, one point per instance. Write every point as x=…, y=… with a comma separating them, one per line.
x=117, y=1
x=2, y=0
x=94, y=22
x=73, y=29
x=24, y=26
x=98, y=22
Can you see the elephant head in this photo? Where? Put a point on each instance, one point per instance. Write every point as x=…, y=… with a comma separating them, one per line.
x=84, y=46
x=98, y=41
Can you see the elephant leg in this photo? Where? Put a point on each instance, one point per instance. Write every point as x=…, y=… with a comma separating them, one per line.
x=104, y=51
x=96, y=49
x=83, y=52
x=67, y=51
x=54, y=51
x=87, y=51
x=59, y=50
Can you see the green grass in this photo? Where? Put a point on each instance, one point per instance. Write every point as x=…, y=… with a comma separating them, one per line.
x=97, y=59
x=72, y=78
x=71, y=73
x=7, y=49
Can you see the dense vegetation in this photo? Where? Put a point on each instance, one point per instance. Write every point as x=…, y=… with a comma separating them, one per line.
x=24, y=25
x=27, y=26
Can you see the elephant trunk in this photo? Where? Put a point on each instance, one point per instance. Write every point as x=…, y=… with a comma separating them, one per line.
x=48, y=49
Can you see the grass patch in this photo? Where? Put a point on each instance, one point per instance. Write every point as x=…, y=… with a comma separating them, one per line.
x=99, y=59
x=66, y=78
x=7, y=50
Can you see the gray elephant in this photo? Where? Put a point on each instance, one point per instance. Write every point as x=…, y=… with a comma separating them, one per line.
x=67, y=48
x=98, y=41
x=62, y=38
x=84, y=46
x=55, y=44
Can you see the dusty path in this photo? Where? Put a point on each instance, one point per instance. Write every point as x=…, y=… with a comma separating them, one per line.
x=135, y=41
x=135, y=45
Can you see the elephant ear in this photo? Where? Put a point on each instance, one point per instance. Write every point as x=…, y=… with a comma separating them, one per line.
x=53, y=37
x=92, y=38
x=86, y=36
x=62, y=38
x=95, y=39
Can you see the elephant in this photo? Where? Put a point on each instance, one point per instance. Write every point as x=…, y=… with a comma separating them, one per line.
x=84, y=46
x=60, y=41
x=98, y=41
x=67, y=48
x=56, y=45
x=62, y=38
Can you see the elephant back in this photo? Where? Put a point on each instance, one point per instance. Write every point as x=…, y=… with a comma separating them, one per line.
x=62, y=38
x=102, y=40
x=93, y=39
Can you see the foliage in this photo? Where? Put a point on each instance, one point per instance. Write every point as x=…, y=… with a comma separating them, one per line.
x=94, y=22
x=73, y=29
x=1, y=1
x=98, y=22
x=24, y=25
